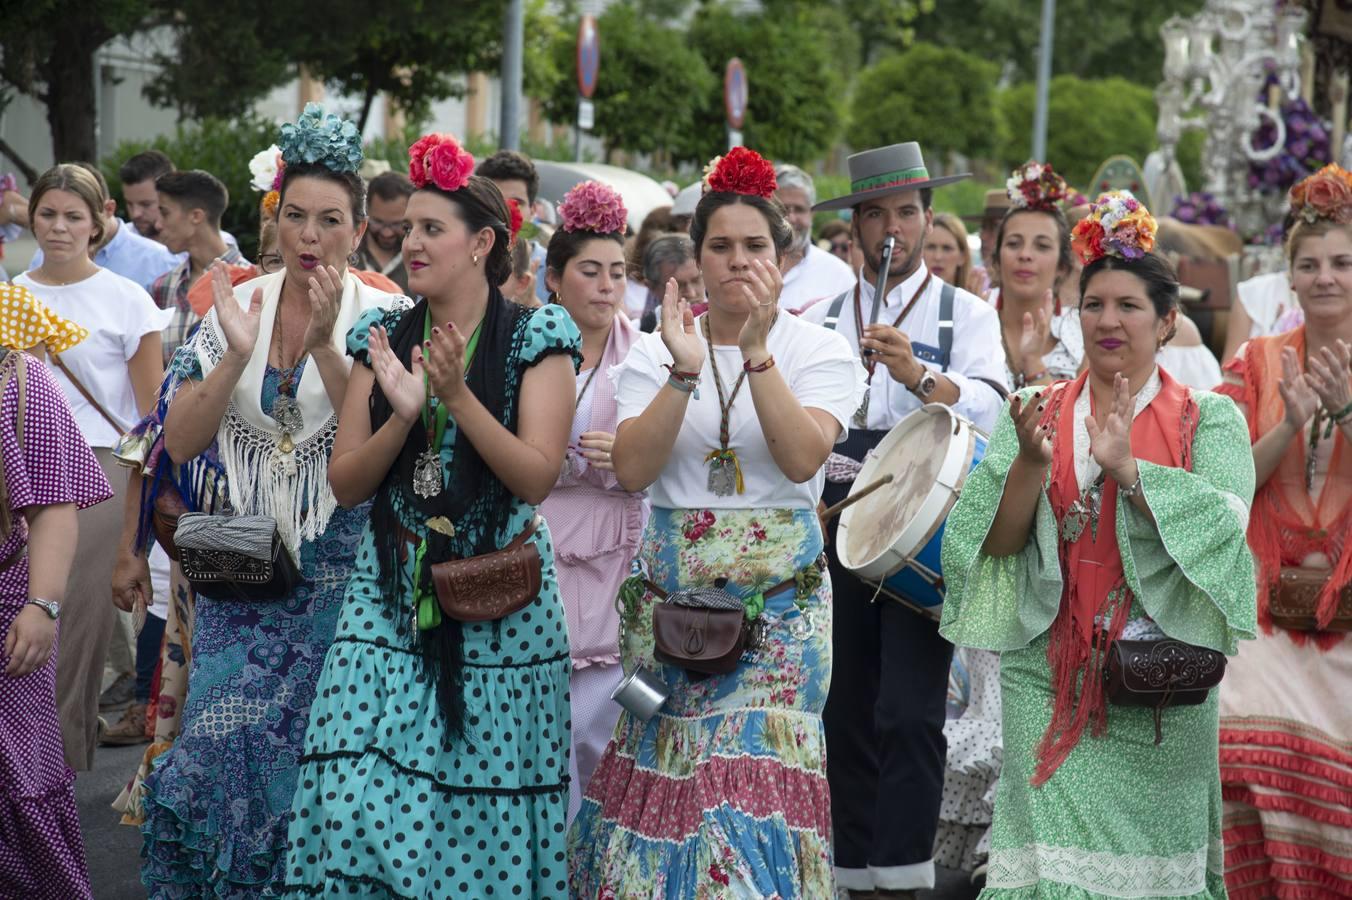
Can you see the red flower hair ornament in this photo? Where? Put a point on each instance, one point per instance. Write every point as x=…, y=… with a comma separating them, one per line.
x=593, y=206
x=514, y=220
x=438, y=159
x=740, y=171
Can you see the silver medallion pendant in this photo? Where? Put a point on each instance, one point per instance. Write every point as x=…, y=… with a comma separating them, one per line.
x=427, y=481
x=722, y=477
x=286, y=412
x=861, y=414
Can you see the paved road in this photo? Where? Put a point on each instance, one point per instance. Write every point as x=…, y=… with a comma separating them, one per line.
x=114, y=851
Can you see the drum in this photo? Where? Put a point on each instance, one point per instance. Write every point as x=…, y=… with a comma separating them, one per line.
x=891, y=537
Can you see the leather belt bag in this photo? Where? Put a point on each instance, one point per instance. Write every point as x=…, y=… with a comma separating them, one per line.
x=219, y=573
x=1293, y=602
x=703, y=630
x=492, y=585
x=164, y=516
x=1160, y=673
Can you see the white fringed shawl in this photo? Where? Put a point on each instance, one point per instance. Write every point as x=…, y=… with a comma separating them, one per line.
x=298, y=498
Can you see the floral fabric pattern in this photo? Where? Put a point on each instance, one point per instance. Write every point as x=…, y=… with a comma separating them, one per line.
x=723, y=793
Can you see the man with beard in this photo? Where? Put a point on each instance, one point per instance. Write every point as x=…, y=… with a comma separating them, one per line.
x=142, y=200
x=925, y=342
x=810, y=273
x=382, y=248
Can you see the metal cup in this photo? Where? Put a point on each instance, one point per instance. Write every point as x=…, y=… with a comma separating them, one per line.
x=642, y=693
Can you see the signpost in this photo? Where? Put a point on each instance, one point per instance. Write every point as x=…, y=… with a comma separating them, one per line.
x=735, y=100
x=588, y=64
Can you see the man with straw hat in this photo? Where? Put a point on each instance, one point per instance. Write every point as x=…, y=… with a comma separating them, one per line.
x=922, y=341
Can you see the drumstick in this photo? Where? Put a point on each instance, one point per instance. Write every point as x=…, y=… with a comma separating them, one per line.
x=833, y=511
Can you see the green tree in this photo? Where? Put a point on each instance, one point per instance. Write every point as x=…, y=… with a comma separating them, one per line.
x=795, y=88
x=1092, y=39
x=646, y=88
x=1087, y=121
x=47, y=53
x=942, y=97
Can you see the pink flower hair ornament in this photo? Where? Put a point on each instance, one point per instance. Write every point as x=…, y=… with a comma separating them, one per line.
x=439, y=160
x=593, y=206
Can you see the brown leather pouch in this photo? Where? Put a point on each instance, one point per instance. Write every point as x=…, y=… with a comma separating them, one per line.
x=700, y=631
x=490, y=586
x=169, y=506
x=1293, y=603
x=1160, y=673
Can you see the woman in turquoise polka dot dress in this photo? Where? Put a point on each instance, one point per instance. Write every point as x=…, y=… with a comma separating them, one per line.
x=436, y=763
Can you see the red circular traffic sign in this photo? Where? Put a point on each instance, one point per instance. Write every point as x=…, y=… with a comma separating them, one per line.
x=588, y=56
x=735, y=93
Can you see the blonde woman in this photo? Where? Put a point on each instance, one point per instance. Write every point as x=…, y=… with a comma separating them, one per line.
x=947, y=253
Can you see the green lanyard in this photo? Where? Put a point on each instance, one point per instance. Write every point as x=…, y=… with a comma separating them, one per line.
x=428, y=610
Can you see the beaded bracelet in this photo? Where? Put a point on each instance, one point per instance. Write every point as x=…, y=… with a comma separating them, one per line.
x=763, y=367
x=1342, y=415
x=1021, y=380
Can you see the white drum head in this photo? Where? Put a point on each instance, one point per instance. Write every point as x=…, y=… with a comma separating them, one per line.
x=913, y=453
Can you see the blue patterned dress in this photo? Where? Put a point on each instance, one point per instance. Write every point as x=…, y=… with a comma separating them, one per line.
x=219, y=800
x=383, y=810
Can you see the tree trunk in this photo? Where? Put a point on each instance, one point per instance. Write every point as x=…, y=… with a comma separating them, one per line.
x=367, y=100
x=71, y=109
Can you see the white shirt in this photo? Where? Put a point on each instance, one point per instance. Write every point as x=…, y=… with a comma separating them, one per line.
x=1267, y=299
x=635, y=298
x=818, y=276
x=1194, y=366
x=976, y=353
x=118, y=313
x=820, y=370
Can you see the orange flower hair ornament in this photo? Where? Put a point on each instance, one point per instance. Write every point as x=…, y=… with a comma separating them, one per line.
x=1326, y=195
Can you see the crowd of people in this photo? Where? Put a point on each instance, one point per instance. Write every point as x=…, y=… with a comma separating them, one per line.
x=392, y=620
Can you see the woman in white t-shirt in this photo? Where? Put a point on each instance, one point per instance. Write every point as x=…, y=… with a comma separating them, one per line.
x=727, y=420
x=110, y=380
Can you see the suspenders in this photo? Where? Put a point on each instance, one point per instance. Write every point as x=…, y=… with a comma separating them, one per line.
x=946, y=298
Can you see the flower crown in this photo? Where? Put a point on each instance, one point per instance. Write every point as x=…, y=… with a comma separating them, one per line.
x=1117, y=224
x=741, y=171
x=439, y=160
x=1327, y=195
x=319, y=138
x=1036, y=186
x=266, y=167
x=593, y=206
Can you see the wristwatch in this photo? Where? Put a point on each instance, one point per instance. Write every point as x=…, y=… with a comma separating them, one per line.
x=50, y=607
x=925, y=386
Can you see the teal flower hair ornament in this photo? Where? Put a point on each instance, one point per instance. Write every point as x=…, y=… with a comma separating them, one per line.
x=321, y=138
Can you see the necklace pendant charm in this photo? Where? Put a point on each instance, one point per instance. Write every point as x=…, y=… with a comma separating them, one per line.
x=1072, y=526
x=860, y=419
x=722, y=476
x=286, y=412
x=285, y=444
x=283, y=460
x=427, y=481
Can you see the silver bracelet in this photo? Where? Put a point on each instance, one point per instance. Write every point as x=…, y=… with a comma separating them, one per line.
x=1134, y=489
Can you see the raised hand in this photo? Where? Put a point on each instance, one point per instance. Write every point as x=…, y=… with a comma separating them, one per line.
x=239, y=326
x=404, y=388
x=1035, y=444
x=1036, y=328
x=678, y=331
x=1297, y=391
x=762, y=296
x=1110, y=433
x=1328, y=375
x=444, y=356
x=326, y=299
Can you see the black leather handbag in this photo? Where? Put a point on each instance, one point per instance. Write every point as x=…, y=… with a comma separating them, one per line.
x=221, y=569
x=1160, y=673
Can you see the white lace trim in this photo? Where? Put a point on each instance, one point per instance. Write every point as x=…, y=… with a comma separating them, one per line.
x=1098, y=872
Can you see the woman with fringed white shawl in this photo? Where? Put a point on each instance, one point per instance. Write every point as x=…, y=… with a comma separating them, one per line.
x=263, y=378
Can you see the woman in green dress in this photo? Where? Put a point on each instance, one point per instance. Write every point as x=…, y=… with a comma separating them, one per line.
x=1113, y=506
x=436, y=762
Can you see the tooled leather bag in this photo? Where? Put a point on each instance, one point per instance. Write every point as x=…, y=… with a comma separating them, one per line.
x=490, y=586
x=703, y=630
x=1160, y=673
x=164, y=517
x=223, y=572
x=1295, y=600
